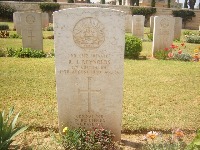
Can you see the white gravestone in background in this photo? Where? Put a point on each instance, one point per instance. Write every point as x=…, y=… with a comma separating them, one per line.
x=45, y=20
x=177, y=27
x=32, y=30
x=89, y=56
x=128, y=23
x=138, y=26
x=164, y=32
x=17, y=22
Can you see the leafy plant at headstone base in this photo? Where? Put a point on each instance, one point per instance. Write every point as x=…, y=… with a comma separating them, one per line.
x=196, y=57
x=147, y=12
x=155, y=141
x=82, y=139
x=25, y=53
x=161, y=54
x=175, y=52
x=186, y=15
x=133, y=47
x=6, y=12
x=150, y=36
x=15, y=36
x=8, y=129
x=195, y=144
x=193, y=39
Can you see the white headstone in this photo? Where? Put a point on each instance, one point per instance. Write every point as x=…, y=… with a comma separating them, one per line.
x=17, y=22
x=151, y=23
x=138, y=26
x=45, y=20
x=89, y=55
x=128, y=23
x=164, y=32
x=177, y=27
x=32, y=30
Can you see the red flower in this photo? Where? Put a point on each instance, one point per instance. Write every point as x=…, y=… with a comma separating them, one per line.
x=180, y=51
x=182, y=44
x=173, y=46
x=170, y=54
x=166, y=49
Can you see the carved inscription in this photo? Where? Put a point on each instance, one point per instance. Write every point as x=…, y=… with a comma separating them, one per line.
x=88, y=120
x=30, y=19
x=89, y=64
x=89, y=91
x=88, y=33
x=164, y=31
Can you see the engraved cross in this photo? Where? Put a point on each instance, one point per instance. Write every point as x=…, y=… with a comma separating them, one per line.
x=31, y=35
x=89, y=91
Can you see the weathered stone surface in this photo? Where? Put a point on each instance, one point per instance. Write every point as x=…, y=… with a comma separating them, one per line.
x=128, y=23
x=138, y=26
x=177, y=27
x=32, y=30
x=45, y=20
x=17, y=22
x=89, y=55
x=164, y=32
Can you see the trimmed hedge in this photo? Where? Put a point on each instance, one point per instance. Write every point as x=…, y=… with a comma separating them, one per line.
x=133, y=47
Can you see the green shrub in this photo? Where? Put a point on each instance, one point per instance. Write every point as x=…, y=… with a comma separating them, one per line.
x=143, y=11
x=6, y=12
x=8, y=129
x=133, y=47
x=4, y=27
x=25, y=53
x=49, y=7
x=193, y=39
x=81, y=139
x=186, y=15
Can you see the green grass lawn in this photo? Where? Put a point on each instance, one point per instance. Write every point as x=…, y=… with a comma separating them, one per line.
x=159, y=95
